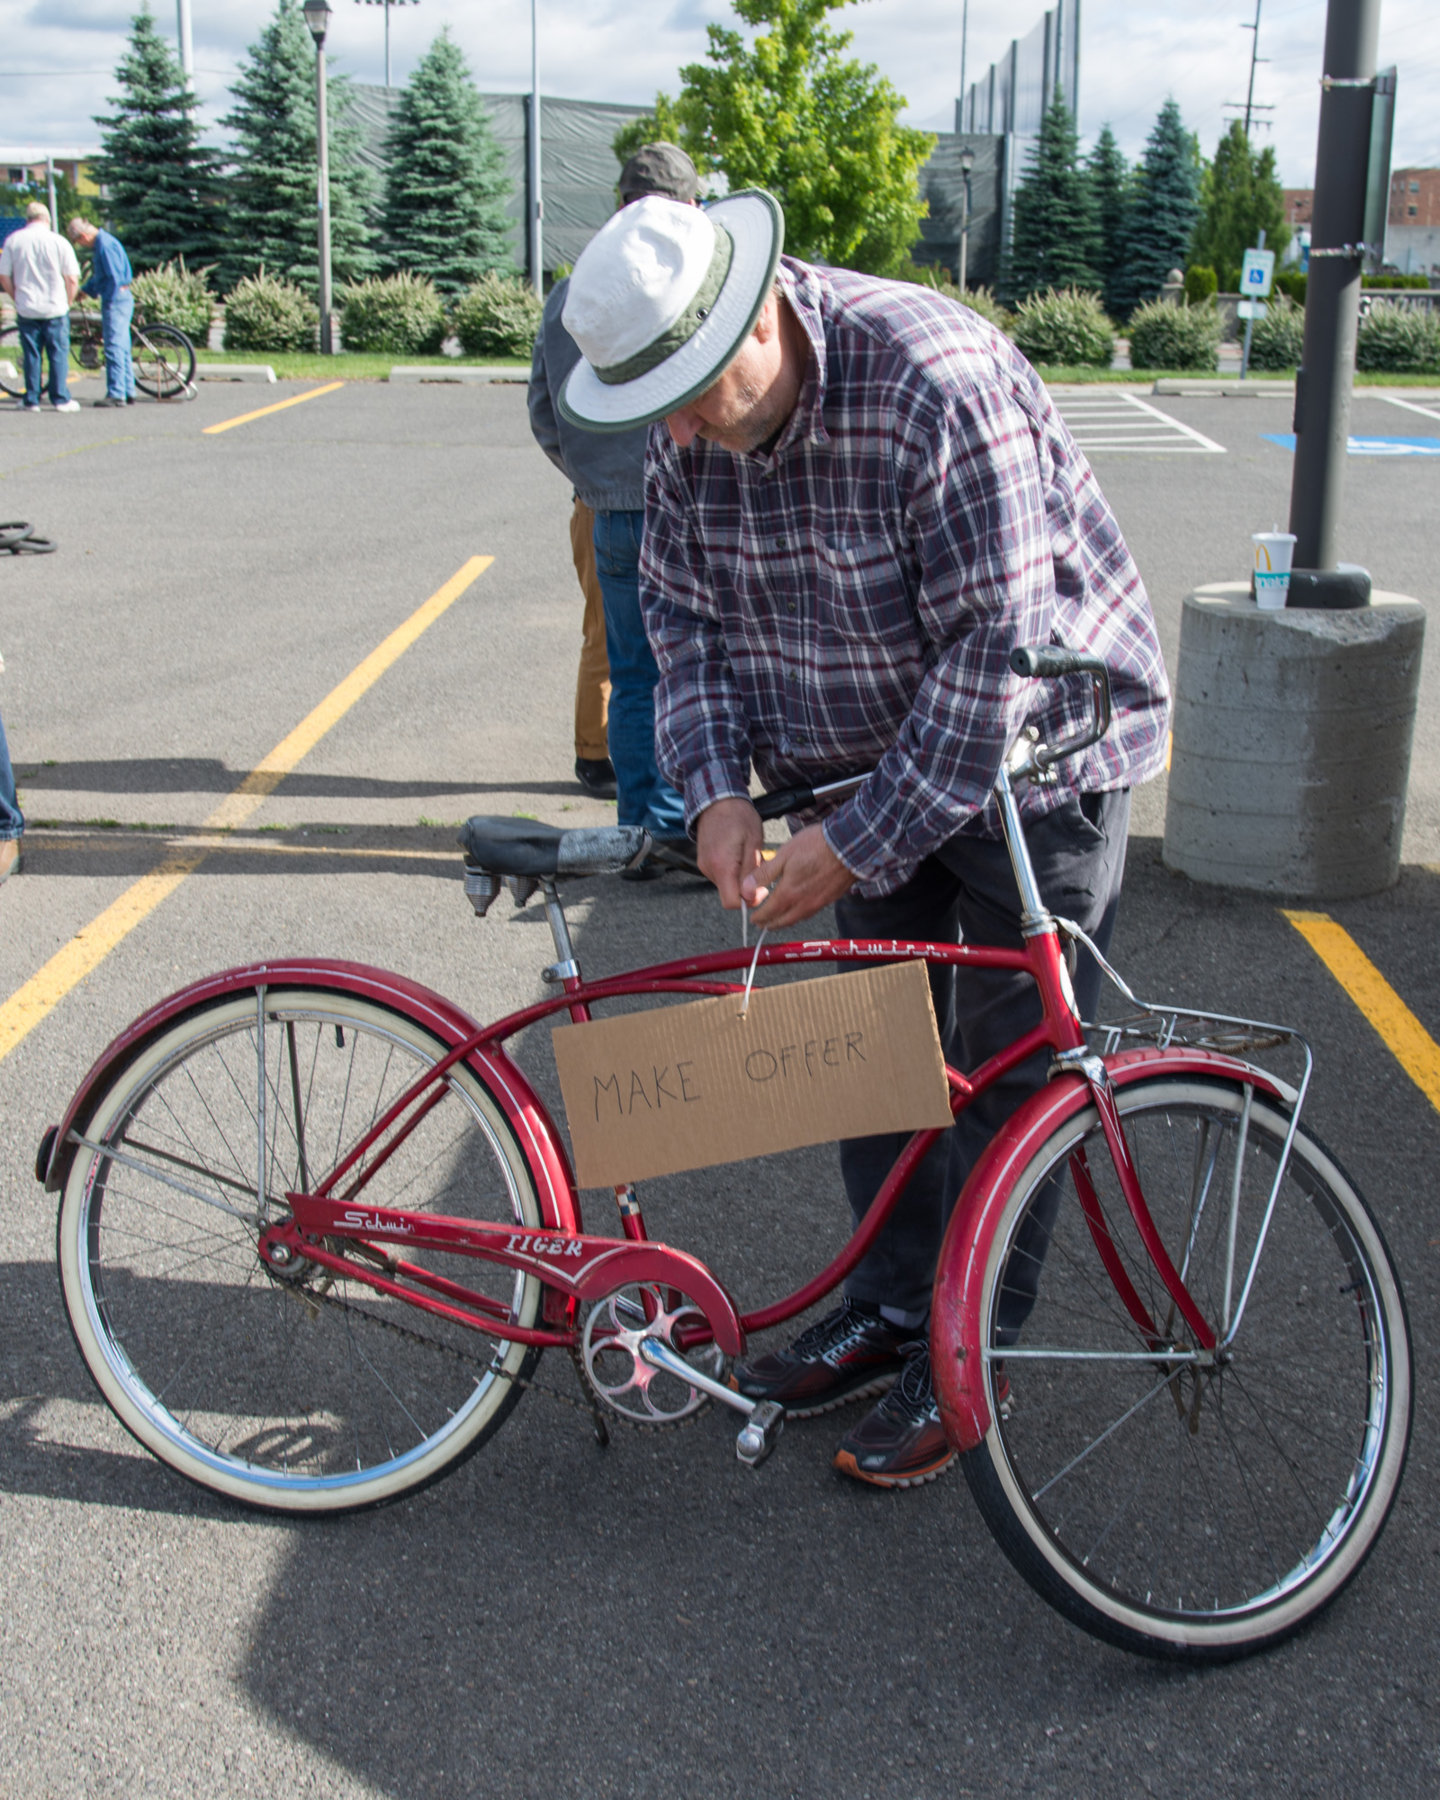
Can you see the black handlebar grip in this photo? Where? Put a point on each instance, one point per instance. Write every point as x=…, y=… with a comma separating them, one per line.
x=1046, y=661
x=784, y=800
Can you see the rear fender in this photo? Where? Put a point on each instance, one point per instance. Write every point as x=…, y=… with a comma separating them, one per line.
x=437, y=1015
x=958, y=1301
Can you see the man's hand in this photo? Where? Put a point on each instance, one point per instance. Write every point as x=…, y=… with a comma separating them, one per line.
x=728, y=837
x=802, y=877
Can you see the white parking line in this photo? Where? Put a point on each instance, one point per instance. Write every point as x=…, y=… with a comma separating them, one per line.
x=1425, y=412
x=1126, y=422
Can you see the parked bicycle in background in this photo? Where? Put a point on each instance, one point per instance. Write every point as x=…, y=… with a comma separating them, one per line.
x=163, y=357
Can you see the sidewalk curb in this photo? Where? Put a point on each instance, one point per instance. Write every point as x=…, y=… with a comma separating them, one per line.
x=436, y=373
x=233, y=372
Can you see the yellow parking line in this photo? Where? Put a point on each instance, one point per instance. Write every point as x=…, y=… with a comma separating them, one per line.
x=1404, y=1036
x=279, y=406
x=44, y=991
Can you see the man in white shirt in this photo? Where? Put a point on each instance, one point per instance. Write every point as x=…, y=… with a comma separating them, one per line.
x=40, y=273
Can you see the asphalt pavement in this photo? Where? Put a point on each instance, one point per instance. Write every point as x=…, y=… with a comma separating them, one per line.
x=554, y=1619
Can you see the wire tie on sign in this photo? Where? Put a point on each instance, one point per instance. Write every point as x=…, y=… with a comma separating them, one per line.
x=754, y=964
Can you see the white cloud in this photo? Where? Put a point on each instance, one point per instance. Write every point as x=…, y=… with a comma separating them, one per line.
x=1133, y=53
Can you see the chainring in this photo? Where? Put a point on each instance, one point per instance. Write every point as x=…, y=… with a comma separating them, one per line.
x=616, y=1373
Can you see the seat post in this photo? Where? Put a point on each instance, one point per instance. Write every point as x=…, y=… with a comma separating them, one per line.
x=566, y=967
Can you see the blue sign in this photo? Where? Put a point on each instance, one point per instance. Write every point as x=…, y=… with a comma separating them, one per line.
x=1368, y=446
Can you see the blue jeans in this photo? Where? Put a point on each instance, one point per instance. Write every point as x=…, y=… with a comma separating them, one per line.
x=11, y=822
x=115, y=316
x=53, y=337
x=644, y=798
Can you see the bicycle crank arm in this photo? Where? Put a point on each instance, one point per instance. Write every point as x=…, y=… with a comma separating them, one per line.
x=764, y=1418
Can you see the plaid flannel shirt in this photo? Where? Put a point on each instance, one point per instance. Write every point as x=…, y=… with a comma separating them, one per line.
x=848, y=601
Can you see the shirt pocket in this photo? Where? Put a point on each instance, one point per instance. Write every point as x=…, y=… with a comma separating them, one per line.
x=863, y=594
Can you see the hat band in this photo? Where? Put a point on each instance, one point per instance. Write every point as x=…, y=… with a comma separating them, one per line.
x=685, y=327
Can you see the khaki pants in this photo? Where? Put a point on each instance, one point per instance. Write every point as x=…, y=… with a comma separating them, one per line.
x=592, y=686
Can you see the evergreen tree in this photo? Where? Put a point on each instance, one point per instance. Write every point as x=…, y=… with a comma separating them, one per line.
x=163, y=185
x=1160, y=219
x=1239, y=197
x=1055, y=240
x=270, y=217
x=445, y=186
x=1110, y=186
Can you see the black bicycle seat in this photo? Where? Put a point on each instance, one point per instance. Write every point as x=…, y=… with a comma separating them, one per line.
x=526, y=847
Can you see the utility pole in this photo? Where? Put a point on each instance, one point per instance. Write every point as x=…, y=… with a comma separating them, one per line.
x=1326, y=375
x=1255, y=57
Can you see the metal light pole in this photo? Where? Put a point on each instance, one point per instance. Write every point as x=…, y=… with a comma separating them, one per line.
x=1332, y=301
x=182, y=34
x=967, y=163
x=317, y=17
x=537, y=273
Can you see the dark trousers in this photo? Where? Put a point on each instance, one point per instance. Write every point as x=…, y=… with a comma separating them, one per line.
x=967, y=892
x=53, y=337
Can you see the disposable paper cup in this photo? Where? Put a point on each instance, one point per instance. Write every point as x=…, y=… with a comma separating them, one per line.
x=1273, y=551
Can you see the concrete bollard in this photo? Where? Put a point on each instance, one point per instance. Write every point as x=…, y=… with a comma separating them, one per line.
x=1291, y=749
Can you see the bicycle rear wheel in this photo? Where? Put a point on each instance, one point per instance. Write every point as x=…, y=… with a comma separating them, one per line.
x=164, y=360
x=313, y=1394
x=1190, y=1507
x=12, y=363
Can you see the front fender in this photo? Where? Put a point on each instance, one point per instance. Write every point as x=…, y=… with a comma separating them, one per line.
x=437, y=1015
x=958, y=1301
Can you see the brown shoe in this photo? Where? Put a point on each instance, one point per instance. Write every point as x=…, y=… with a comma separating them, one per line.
x=901, y=1442
x=12, y=857
x=850, y=1354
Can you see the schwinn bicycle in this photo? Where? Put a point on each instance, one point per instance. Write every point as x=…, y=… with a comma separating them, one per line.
x=164, y=358
x=316, y=1228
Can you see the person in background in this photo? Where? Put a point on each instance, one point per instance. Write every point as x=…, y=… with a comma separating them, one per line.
x=12, y=823
x=110, y=278
x=608, y=475
x=39, y=272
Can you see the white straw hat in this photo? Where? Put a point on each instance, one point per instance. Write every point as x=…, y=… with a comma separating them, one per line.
x=660, y=302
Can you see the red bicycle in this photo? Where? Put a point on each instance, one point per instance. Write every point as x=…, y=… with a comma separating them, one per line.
x=317, y=1228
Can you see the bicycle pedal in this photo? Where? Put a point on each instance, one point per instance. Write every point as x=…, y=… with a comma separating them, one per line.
x=760, y=1433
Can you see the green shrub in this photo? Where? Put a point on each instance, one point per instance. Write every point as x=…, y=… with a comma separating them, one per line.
x=175, y=295
x=1402, y=339
x=1279, y=337
x=1200, y=283
x=264, y=313
x=1395, y=281
x=1068, y=329
x=1229, y=279
x=497, y=317
x=1292, y=283
x=402, y=314
x=1174, y=337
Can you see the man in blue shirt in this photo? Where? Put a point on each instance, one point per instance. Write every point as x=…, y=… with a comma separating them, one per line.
x=110, y=278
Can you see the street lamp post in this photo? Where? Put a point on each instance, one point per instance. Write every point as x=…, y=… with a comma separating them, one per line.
x=967, y=163
x=317, y=17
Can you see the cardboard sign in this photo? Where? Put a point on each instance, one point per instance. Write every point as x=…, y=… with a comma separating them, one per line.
x=682, y=1087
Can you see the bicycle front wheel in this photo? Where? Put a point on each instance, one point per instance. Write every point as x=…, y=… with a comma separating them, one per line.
x=1179, y=1503
x=308, y=1395
x=164, y=360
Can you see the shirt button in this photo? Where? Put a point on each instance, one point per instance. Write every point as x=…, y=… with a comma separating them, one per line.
x=779, y=543
x=790, y=606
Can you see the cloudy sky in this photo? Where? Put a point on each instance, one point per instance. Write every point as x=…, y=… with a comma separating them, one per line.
x=58, y=58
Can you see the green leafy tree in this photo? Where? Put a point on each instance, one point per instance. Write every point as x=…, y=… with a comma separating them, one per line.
x=163, y=185
x=1239, y=197
x=445, y=186
x=661, y=125
x=789, y=111
x=1055, y=239
x=1160, y=219
x=1110, y=187
x=270, y=213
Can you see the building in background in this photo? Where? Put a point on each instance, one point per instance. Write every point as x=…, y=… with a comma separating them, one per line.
x=1412, y=227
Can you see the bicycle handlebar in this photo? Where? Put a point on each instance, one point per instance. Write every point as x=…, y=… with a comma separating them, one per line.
x=1047, y=661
